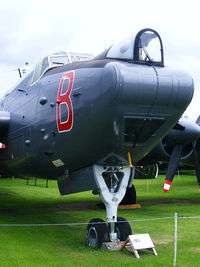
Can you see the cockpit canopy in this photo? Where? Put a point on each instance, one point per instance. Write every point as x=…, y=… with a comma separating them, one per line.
x=59, y=58
x=144, y=48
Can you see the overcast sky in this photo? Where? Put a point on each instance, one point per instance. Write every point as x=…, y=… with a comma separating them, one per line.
x=31, y=29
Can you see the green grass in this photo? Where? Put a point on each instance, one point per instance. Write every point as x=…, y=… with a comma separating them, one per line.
x=66, y=246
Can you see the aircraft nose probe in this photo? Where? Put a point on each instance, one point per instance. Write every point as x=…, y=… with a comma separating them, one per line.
x=190, y=133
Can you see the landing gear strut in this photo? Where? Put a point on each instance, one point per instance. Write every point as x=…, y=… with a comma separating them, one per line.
x=112, y=183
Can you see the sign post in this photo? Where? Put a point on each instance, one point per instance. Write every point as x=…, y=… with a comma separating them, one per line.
x=139, y=242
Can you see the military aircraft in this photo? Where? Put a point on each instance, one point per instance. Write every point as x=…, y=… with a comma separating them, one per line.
x=85, y=123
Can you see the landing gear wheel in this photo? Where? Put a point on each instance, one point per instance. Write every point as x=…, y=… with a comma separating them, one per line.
x=97, y=233
x=122, y=228
x=130, y=196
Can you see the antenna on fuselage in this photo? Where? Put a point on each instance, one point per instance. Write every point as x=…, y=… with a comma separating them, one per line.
x=20, y=74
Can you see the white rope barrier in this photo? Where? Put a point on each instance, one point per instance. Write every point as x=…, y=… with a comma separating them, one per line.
x=86, y=223
x=2, y=71
x=175, y=218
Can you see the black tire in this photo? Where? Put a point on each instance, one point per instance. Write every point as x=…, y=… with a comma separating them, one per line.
x=122, y=228
x=130, y=196
x=97, y=233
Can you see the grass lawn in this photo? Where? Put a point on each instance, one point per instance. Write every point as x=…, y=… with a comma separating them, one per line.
x=66, y=245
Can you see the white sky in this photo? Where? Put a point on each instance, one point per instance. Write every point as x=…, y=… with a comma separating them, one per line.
x=31, y=29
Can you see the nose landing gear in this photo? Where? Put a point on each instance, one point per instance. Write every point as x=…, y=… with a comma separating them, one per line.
x=112, y=183
x=97, y=233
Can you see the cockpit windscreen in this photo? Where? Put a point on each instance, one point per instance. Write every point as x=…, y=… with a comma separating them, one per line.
x=144, y=48
x=149, y=47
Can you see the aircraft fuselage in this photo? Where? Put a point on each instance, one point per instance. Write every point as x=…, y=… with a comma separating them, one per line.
x=111, y=107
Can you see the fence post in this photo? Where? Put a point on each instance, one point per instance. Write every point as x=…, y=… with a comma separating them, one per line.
x=175, y=237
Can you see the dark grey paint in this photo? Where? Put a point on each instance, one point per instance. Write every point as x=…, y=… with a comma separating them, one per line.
x=105, y=94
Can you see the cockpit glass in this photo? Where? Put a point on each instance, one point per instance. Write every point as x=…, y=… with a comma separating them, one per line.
x=123, y=50
x=41, y=66
x=149, y=47
x=144, y=48
x=48, y=62
x=57, y=60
